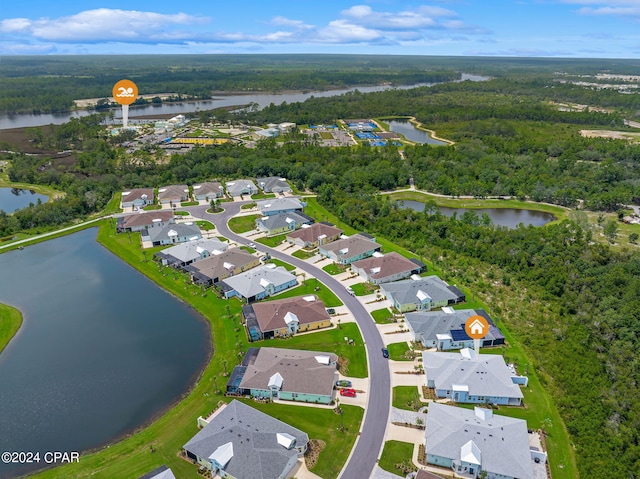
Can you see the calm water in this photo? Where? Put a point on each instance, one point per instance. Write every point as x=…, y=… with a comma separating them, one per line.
x=101, y=350
x=12, y=199
x=411, y=133
x=509, y=217
x=25, y=120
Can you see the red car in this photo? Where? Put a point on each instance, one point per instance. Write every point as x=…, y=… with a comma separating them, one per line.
x=348, y=392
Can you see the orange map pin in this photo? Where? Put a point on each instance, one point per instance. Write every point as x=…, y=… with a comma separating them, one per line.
x=476, y=327
x=125, y=92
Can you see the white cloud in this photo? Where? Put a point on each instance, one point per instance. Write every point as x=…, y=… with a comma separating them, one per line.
x=343, y=31
x=422, y=17
x=284, y=21
x=623, y=8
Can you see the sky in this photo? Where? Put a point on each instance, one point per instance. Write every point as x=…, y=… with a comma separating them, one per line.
x=523, y=28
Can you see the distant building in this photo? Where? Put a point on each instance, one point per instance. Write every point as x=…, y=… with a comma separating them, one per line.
x=381, y=268
x=348, y=250
x=445, y=330
x=467, y=377
x=273, y=184
x=171, y=234
x=286, y=374
x=314, y=235
x=219, y=266
x=240, y=442
x=421, y=293
x=284, y=317
x=173, y=194
x=208, y=191
x=143, y=220
x=241, y=188
x=471, y=443
x=137, y=198
x=258, y=283
x=186, y=253
x=282, y=223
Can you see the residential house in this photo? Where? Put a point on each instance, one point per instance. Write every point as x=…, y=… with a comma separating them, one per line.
x=381, y=268
x=258, y=283
x=421, y=293
x=171, y=234
x=469, y=377
x=137, y=198
x=424, y=474
x=286, y=126
x=241, y=188
x=240, y=442
x=478, y=443
x=348, y=250
x=173, y=195
x=286, y=374
x=184, y=254
x=219, y=266
x=282, y=223
x=162, y=472
x=445, y=330
x=207, y=191
x=276, y=206
x=273, y=184
x=284, y=317
x=143, y=220
x=314, y=235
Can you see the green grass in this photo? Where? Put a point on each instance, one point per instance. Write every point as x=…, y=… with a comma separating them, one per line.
x=189, y=203
x=10, y=322
x=323, y=424
x=363, y=289
x=271, y=241
x=205, y=225
x=152, y=207
x=181, y=213
x=331, y=340
x=5, y=182
x=397, y=351
x=277, y=262
x=248, y=206
x=382, y=316
x=242, y=224
x=404, y=397
x=395, y=452
x=262, y=196
x=303, y=254
x=312, y=286
x=334, y=268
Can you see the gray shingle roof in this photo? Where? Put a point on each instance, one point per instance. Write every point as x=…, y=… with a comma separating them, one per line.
x=351, y=247
x=273, y=182
x=502, y=440
x=256, y=452
x=191, y=250
x=237, y=187
x=282, y=220
x=485, y=374
x=426, y=324
x=301, y=372
x=251, y=283
x=162, y=472
x=406, y=291
x=279, y=204
x=181, y=230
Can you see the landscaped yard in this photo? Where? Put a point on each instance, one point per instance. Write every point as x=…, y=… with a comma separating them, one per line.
x=363, y=289
x=205, y=225
x=382, y=316
x=304, y=254
x=263, y=196
x=398, y=351
x=271, y=241
x=277, y=262
x=407, y=397
x=312, y=286
x=334, y=268
x=242, y=224
x=181, y=213
x=394, y=453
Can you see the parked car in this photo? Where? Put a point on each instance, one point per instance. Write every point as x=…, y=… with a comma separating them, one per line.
x=385, y=352
x=251, y=245
x=348, y=392
x=343, y=383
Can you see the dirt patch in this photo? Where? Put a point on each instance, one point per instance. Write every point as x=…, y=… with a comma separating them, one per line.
x=611, y=134
x=314, y=448
x=17, y=140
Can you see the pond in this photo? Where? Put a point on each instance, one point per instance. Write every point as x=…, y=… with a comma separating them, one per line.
x=13, y=199
x=411, y=133
x=509, y=217
x=102, y=349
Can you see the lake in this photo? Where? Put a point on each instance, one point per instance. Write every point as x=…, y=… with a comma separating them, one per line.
x=102, y=349
x=13, y=199
x=509, y=217
x=411, y=133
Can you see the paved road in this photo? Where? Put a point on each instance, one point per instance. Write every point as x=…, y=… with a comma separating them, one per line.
x=363, y=457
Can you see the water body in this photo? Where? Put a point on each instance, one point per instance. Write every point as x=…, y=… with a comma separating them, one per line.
x=410, y=132
x=509, y=217
x=13, y=199
x=101, y=350
x=29, y=120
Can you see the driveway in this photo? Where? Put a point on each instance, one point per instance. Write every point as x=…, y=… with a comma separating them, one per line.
x=364, y=455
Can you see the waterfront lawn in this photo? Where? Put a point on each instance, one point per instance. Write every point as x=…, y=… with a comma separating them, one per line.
x=303, y=254
x=382, y=316
x=331, y=340
x=10, y=322
x=271, y=241
x=405, y=397
x=398, y=351
x=312, y=286
x=396, y=452
x=323, y=424
x=242, y=224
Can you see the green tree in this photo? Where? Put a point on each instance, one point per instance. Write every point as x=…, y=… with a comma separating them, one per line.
x=611, y=230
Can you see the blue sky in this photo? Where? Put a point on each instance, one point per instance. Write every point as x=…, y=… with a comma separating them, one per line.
x=551, y=28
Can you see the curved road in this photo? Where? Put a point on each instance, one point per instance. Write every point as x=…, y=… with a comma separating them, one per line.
x=365, y=453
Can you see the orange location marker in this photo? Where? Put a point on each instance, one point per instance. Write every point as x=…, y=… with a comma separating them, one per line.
x=125, y=92
x=476, y=327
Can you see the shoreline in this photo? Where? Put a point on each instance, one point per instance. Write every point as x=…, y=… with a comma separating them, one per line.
x=10, y=329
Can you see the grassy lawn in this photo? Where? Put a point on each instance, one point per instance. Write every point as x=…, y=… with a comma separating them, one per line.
x=248, y=206
x=325, y=135
x=321, y=424
x=406, y=397
x=205, y=225
x=242, y=224
x=397, y=351
x=395, y=452
x=312, y=286
x=271, y=241
x=181, y=213
x=10, y=322
x=152, y=207
x=303, y=254
x=277, y=262
x=334, y=268
x=189, y=203
x=263, y=196
x=330, y=340
x=363, y=289
x=382, y=316
x=5, y=182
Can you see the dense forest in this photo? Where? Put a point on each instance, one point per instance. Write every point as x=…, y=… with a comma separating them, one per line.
x=579, y=318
